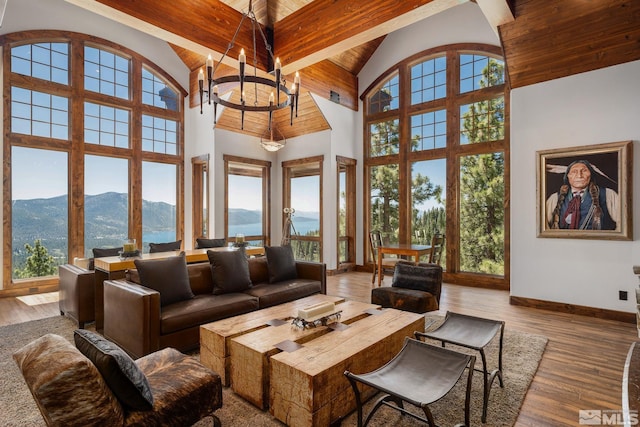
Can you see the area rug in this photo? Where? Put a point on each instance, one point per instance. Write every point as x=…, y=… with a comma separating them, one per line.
x=522, y=354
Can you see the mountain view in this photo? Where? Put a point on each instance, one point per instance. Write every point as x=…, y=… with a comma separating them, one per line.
x=106, y=222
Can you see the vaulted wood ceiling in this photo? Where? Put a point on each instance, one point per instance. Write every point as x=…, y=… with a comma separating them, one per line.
x=329, y=41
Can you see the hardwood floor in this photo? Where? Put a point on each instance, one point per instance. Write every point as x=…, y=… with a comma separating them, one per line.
x=581, y=368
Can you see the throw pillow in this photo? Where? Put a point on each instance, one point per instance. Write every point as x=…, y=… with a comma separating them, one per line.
x=169, y=276
x=282, y=264
x=165, y=247
x=210, y=243
x=118, y=369
x=103, y=252
x=230, y=271
x=417, y=277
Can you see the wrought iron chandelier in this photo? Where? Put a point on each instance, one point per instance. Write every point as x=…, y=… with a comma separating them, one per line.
x=278, y=86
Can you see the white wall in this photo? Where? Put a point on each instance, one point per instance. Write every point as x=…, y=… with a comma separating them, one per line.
x=590, y=108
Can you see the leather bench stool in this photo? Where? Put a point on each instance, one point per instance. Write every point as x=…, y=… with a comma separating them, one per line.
x=473, y=333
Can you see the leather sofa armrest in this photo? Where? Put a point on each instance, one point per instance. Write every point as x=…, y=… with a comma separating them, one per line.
x=313, y=271
x=82, y=262
x=77, y=293
x=132, y=317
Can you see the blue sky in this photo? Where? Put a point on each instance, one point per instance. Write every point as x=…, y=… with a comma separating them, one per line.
x=43, y=174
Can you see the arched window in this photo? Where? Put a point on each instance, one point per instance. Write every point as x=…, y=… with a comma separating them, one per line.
x=435, y=161
x=94, y=152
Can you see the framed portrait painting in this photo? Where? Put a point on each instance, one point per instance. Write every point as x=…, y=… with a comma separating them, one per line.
x=585, y=192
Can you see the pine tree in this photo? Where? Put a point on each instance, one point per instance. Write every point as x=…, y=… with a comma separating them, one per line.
x=482, y=185
x=384, y=179
x=39, y=262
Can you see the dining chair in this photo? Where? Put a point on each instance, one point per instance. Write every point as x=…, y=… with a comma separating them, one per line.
x=388, y=263
x=437, y=245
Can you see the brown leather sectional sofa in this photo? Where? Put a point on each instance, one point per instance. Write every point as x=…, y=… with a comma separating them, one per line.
x=135, y=320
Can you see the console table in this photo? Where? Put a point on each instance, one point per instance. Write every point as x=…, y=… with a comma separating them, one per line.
x=114, y=268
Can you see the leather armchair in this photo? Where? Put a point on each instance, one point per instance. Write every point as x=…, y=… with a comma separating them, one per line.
x=70, y=389
x=77, y=293
x=415, y=288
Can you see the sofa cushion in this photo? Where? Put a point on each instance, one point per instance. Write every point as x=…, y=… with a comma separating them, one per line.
x=282, y=264
x=200, y=278
x=418, y=277
x=168, y=276
x=230, y=271
x=67, y=387
x=258, y=270
x=165, y=247
x=204, y=309
x=120, y=372
x=210, y=243
x=270, y=294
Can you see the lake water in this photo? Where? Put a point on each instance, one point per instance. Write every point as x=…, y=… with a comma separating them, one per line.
x=255, y=229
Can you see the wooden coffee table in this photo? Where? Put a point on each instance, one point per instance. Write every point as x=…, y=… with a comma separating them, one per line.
x=308, y=386
x=215, y=337
x=251, y=352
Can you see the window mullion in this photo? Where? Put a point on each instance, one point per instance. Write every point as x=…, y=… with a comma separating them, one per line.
x=76, y=155
x=404, y=172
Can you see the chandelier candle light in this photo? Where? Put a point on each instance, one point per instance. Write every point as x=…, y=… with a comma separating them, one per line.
x=277, y=85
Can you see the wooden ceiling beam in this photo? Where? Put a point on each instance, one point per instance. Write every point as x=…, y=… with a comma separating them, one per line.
x=204, y=27
x=325, y=28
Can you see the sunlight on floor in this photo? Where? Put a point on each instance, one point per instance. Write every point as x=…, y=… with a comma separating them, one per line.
x=39, y=299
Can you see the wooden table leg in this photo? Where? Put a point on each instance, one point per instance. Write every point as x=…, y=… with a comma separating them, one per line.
x=380, y=271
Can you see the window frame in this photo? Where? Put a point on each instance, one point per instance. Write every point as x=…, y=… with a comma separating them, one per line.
x=453, y=152
x=287, y=175
x=348, y=167
x=265, y=174
x=76, y=147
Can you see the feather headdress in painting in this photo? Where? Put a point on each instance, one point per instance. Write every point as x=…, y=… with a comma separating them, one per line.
x=564, y=169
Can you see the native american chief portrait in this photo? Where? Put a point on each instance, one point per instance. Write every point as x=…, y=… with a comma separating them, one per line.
x=582, y=202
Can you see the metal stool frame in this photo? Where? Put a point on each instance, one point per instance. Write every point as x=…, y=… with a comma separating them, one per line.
x=473, y=333
x=417, y=375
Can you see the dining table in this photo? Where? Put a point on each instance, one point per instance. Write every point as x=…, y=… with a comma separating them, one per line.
x=400, y=249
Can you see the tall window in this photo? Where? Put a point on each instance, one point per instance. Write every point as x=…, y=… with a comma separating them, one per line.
x=200, y=196
x=159, y=216
x=94, y=136
x=106, y=203
x=346, y=184
x=39, y=217
x=247, y=195
x=302, y=190
x=435, y=158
